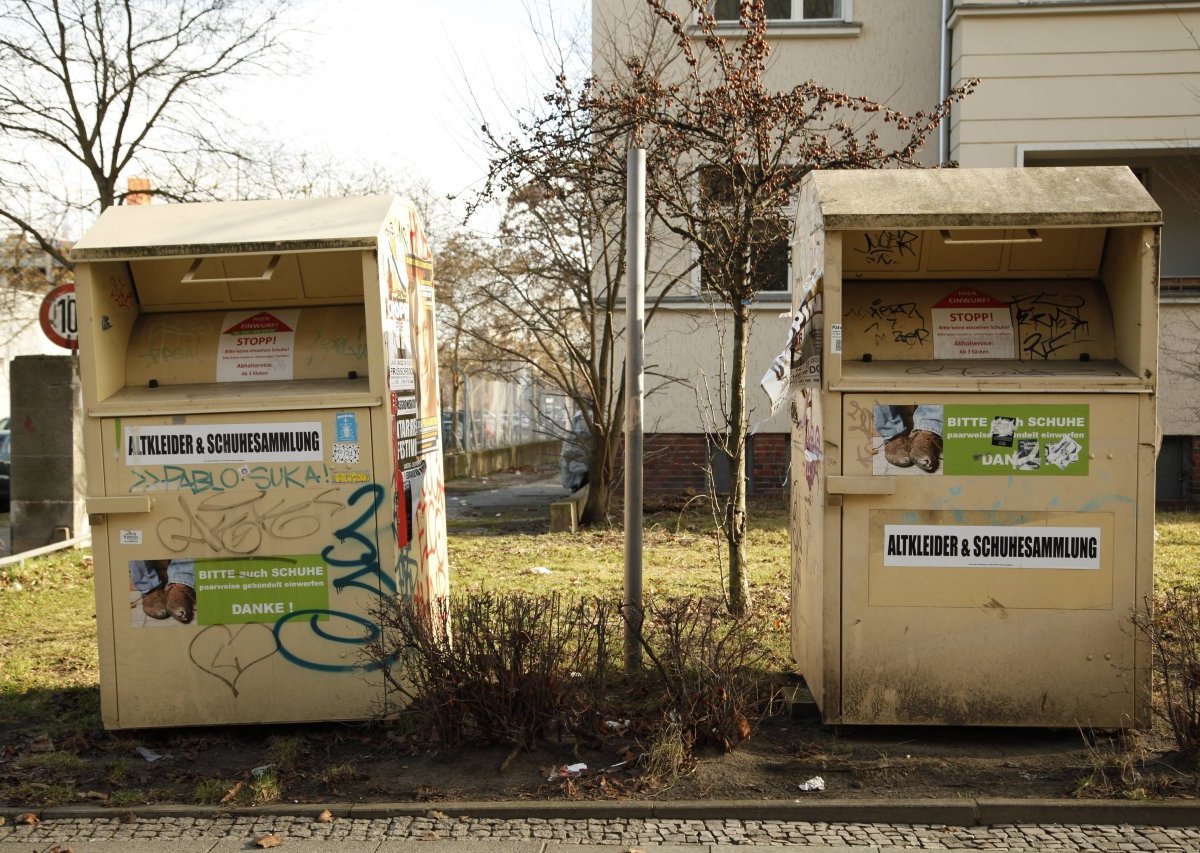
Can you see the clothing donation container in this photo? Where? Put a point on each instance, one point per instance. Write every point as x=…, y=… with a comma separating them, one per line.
x=973, y=408
x=261, y=439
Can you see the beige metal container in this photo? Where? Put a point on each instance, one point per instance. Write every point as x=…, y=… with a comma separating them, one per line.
x=986, y=577
x=263, y=458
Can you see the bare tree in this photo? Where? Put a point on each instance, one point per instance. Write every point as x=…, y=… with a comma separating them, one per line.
x=725, y=156
x=464, y=320
x=113, y=87
x=556, y=275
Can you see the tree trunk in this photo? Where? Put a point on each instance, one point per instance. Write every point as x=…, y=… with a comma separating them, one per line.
x=601, y=478
x=735, y=515
x=456, y=438
x=595, y=510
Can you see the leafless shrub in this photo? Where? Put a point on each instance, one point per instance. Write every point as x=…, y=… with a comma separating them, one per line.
x=712, y=668
x=498, y=668
x=513, y=668
x=1170, y=622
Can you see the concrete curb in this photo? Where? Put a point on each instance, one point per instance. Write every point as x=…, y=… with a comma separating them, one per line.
x=958, y=812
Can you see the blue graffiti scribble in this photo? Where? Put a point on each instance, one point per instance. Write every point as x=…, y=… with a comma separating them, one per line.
x=407, y=566
x=365, y=564
x=1100, y=500
x=371, y=631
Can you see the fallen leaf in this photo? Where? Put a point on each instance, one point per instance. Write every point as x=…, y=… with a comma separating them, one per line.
x=635, y=850
x=75, y=743
x=41, y=743
x=268, y=840
x=95, y=795
x=2, y=820
x=233, y=792
x=434, y=814
x=59, y=849
x=325, y=817
x=27, y=818
x=743, y=728
x=127, y=817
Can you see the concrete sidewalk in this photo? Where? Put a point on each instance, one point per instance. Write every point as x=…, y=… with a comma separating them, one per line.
x=519, y=492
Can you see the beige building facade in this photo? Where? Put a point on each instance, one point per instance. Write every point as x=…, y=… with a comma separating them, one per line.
x=1062, y=82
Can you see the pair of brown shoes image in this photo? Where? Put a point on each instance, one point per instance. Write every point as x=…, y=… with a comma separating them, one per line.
x=176, y=600
x=919, y=447
x=173, y=600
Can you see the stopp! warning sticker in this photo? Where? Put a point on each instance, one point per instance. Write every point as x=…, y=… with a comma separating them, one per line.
x=969, y=323
x=257, y=346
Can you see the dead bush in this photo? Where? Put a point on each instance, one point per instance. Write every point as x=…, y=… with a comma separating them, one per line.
x=498, y=668
x=1171, y=623
x=712, y=668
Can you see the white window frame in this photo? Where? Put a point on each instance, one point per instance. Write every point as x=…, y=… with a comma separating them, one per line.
x=797, y=15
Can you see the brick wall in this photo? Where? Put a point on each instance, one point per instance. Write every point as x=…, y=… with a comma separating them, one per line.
x=674, y=464
x=770, y=471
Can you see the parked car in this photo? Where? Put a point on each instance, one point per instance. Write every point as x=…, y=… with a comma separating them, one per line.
x=5, y=467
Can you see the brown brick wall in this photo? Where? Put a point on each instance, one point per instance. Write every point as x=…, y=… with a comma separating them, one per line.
x=770, y=471
x=674, y=464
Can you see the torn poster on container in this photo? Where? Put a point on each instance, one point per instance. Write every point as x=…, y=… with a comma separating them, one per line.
x=799, y=365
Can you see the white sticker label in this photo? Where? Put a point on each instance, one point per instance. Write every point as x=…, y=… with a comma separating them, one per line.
x=401, y=376
x=179, y=444
x=406, y=405
x=131, y=537
x=981, y=546
x=835, y=337
x=256, y=346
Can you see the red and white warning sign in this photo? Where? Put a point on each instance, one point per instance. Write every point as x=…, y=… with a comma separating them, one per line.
x=58, y=318
x=969, y=323
x=257, y=345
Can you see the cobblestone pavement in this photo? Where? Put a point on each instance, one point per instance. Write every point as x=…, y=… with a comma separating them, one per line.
x=626, y=832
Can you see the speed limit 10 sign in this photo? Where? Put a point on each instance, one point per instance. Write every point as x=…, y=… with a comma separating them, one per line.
x=58, y=316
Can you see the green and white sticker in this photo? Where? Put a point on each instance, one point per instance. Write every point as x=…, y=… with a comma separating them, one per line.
x=1049, y=440
x=260, y=589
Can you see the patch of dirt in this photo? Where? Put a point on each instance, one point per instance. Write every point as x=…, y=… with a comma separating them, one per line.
x=338, y=762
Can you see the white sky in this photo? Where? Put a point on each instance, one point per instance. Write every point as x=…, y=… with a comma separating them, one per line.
x=392, y=82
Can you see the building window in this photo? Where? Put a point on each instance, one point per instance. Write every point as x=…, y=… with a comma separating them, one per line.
x=771, y=263
x=726, y=11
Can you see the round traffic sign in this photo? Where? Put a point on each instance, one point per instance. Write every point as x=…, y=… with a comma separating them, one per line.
x=58, y=316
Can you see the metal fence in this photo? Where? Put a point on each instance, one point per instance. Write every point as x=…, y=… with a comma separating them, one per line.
x=503, y=413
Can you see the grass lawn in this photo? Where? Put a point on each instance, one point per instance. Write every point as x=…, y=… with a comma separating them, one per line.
x=48, y=658
x=1177, y=550
x=681, y=556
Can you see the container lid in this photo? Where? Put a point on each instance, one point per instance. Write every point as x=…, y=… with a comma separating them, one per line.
x=234, y=227
x=941, y=198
